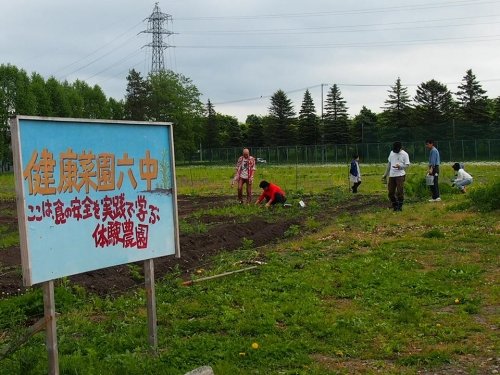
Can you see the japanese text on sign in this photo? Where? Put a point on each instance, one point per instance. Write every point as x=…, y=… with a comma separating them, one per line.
x=101, y=172
x=116, y=216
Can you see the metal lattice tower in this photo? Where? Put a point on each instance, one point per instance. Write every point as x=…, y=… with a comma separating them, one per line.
x=155, y=27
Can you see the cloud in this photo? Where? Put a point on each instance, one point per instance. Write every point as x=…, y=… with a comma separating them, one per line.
x=247, y=49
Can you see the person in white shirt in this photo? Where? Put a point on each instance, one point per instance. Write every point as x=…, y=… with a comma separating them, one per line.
x=462, y=178
x=398, y=161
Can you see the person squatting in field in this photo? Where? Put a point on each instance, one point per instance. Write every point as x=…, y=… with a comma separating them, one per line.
x=398, y=161
x=245, y=170
x=272, y=193
x=462, y=178
x=355, y=173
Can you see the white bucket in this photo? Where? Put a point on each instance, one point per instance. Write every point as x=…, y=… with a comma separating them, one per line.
x=429, y=180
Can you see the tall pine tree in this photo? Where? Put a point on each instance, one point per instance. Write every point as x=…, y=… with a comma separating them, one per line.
x=336, y=122
x=136, y=99
x=308, y=122
x=395, y=120
x=434, y=104
x=473, y=101
x=211, y=127
x=281, y=117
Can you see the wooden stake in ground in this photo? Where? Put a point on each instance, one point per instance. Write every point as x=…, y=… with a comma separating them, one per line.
x=191, y=282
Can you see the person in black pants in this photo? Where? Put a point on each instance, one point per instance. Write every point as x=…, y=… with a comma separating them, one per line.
x=434, y=162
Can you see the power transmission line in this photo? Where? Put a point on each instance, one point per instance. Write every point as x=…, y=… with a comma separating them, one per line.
x=422, y=6
x=351, y=28
x=95, y=51
x=388, y=85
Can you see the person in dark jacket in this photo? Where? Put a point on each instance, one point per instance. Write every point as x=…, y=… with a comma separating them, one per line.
x=355, y=173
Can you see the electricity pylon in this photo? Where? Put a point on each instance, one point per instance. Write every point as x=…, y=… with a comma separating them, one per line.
x=155, y=27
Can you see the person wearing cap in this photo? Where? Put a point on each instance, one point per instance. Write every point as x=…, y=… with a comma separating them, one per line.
x=245, y=170
x=272, y=193
x=462, y=178
x=398, y=161
x=434, y=161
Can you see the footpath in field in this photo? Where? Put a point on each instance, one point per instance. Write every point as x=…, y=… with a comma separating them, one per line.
x=222, y=232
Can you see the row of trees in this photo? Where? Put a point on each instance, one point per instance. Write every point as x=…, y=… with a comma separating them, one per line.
x=172, y=97
x=163, y=97
x=434, y=112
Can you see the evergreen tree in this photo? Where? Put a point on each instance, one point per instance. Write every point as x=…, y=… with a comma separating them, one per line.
x=255, y=133
x=473, y=101
x=396, y=119
x=495, y=123
x=336, y=122
x=281, y=117
x=308, y=122
x=434, y=104
x=136, y=99
x=211, y=127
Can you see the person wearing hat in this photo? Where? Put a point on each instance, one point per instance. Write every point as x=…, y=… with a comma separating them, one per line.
x=462, y=178
x=398, y=161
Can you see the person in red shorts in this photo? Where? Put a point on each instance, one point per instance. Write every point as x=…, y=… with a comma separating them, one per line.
x=272, y=193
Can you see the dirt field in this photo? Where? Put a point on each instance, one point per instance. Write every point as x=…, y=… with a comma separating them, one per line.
x=196, y=249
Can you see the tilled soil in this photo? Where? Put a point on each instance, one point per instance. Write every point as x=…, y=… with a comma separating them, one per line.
x=223, y=233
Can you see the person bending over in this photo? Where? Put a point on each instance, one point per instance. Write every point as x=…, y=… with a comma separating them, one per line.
x=272, y=193
x=462, y=178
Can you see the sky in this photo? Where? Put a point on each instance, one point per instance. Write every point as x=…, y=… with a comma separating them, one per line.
x=238, y=53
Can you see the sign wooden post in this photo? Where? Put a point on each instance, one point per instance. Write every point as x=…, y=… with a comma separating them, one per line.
x=49, y=307
x=149, y=276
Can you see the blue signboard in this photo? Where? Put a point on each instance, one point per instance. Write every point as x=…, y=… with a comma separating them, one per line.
x=92, y=194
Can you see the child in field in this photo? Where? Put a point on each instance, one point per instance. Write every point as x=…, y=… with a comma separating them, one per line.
x=355, y=173
x=462, y=178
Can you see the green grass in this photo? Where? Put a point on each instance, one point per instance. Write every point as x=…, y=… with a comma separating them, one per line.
x=7, y=186
x=385, y=292
x=316, y=179
x=8, y=237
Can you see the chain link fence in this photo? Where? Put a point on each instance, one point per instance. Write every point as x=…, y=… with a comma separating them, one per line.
x=461, y=150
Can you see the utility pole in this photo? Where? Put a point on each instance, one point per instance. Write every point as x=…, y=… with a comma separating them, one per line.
x=323, y=84
x=155, y=27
